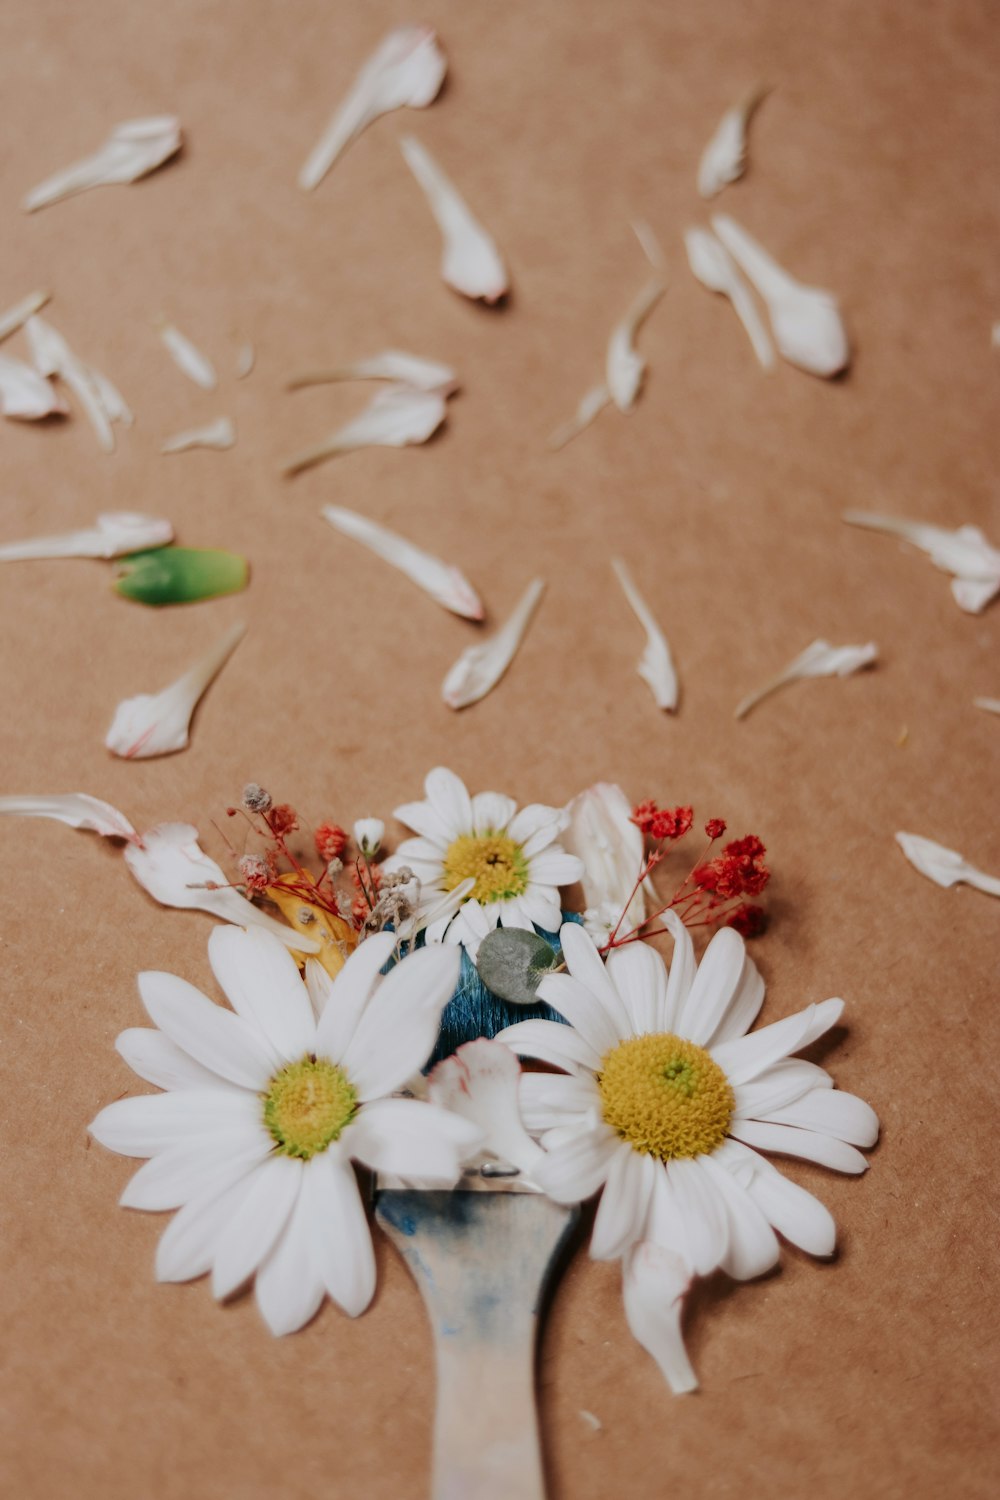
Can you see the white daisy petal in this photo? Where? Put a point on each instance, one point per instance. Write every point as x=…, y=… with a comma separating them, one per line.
x=419, y=851
x=212, y=1036
x=351, y=991
x=537, y=821
x=319, y=986
x=153, y=1122
x=624, y=1203
x=753, y=1245
x=794, y=1213
x=715, y=985
x=288, y=1286
x=640, y=977
x=546, y=1099
x=748, y=1056
x=492, y=811
x=788, y=1140
x=683, y=968
x=555, y=867
x=550, y=1042
x=577, y=1169
x=161, y=1062
x=449, y=796
x=397, y=1031
x=261, y=982
x=778, y=1086
x=542, y=908
x=479, y=1084
x=654, y=1283
x=340, y=1241
x=186, y=1171
x=585, y=964
x=253, y=1229
x=582, y=1009
x=427, y=821
x=744, y=1006
x=829, y=1112
x=410, y=1138
x=187, y=1245
x=701, y=1228
x=514, y=914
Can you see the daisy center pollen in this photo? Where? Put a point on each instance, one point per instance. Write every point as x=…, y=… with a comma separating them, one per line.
x=493, y=860
x=308, y=1105
x=665, y=1096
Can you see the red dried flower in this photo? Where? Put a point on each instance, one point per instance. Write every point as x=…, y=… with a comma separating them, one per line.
x=643, y=814
x=738, y=871
x=254, y=873
x=331, y=841
x=662, y=822
x=282, y=819
x=715, y=828
x=748, y=921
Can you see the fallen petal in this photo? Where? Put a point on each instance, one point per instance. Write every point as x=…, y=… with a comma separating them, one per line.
x=805, y=320
x=218, y=434
x=480, y=1083
x=245, y=361
x=101, y=401
x=391, y=364
x=624, y=365
x=712, y=265
x=724, y=158
x=113, y=535
x=396, y=417
x=656, y=665
x=655, y=1282
x=592, y=404
x=965, y=553
x=133, y=149
x=188, y=359
x=439, y=579
x=990, y=705
x=75, y=809
x=471, y=262
x=945, y=867
x=407, y=68
x=160, y=723
x=16, y=316
x=25, y=394
x=818, y=660
x=480, y=668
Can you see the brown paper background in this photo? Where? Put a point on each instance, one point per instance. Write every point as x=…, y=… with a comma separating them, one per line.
x=872, y=172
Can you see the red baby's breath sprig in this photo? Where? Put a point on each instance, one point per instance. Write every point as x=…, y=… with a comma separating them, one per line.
x=331, y=841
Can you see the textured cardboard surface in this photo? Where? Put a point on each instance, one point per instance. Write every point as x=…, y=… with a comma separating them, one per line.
x=873, y=172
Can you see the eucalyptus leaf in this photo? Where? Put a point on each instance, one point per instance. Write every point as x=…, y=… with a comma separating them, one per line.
x=512, y=963
x=180, y=575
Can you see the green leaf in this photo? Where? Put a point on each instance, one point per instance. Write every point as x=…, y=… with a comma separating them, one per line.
x=512, y=963
x=180, y=575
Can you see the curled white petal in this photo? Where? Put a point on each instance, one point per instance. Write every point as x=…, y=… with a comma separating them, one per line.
x=656, y=665
x=480, y=1083
x=133, y=149
x=480, y=668
x=711, y=263
x=989, y=705
x=154, y=724
x=406, y=69
x=75, y=809
x=220, y=434
x=601, y=833
x=391, y=364
x=624, y=366
x=169, y=863
x=805, y=320
x=945, y=867
x=818, y=660
x=655, y=1281
x=395, y=418
x=188, y=358
x=724, y=158
x=591, y=405
x=15, y=317
x=470, y=262
x=965, y=553
x=102, y=401
x=114, y=534
x=25, y=394
x=440, y=580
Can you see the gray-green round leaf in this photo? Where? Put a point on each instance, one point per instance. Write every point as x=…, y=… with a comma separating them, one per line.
x=512, y=963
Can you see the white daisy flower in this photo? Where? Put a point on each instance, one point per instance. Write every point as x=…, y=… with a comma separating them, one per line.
x=666, y=1106
x=264, y=1110
x=512, y=855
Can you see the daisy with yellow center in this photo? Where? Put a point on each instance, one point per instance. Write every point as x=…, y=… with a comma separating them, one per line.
x=664, y=1106
x=267, y=1105
x=512, y=857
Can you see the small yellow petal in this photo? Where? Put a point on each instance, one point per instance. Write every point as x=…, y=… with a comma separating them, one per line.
x=337, y=938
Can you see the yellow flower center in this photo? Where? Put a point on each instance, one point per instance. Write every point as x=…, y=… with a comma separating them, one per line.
x=665, y=1096
x=493, y=860
x=308, y=1105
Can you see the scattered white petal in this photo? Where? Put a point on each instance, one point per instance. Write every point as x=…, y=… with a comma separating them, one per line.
x=160, y=723
x=649, y=244
x=471, y=262
x=480, y=1083
x=219, y=434
x=724, y=158
x=246, y=358
x=965, y=553
x=594, y=1423
x=601, y=833
x=818, y=660
x=713, y=266
x=133, y=149
x=990, y=705
x=656, y=664
x=114, y=534
x=16, y=316
x=805, y=320
x=439, y=579
x=391, y=364
x=25, y=394
x=406, y=69
x=75, y=809
x=480, y=668
x=188, y=359
x=592, y=404
x=102, y=402
x=396, y=417
x=624, y=365
x=170, y=865
x=655, y=1281
x=944, y=866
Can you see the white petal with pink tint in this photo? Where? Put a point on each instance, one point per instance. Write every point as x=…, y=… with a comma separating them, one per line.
x=470, y=262
x=440, y=580
x=160, y=723
x=480, y=1083
x=480, y=668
